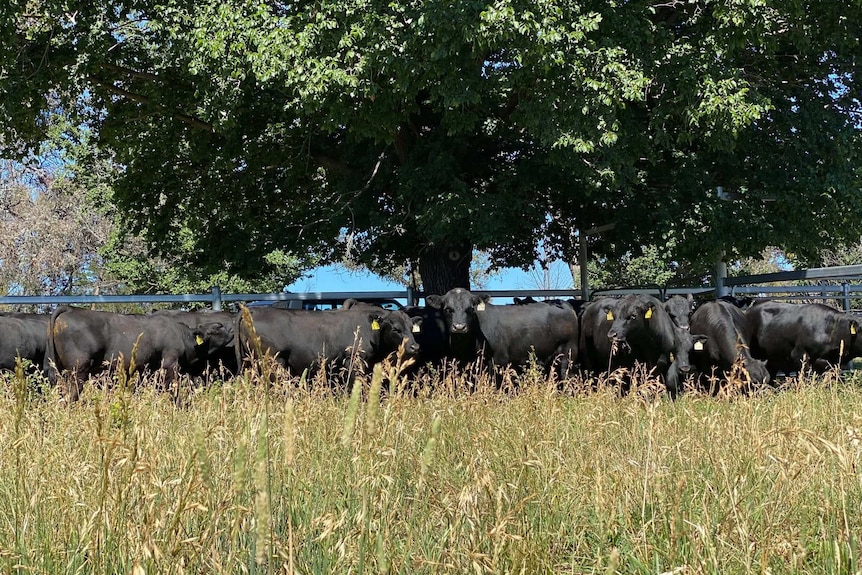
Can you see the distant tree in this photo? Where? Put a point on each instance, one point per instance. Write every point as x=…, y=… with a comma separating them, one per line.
x=50, y=234
x=62, y=233
x=849, y=254
x=427, y=130
x=648, y=267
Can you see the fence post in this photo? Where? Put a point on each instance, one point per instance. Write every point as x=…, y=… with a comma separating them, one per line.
x=720, y=276
x=216, y=302
x=845, y=287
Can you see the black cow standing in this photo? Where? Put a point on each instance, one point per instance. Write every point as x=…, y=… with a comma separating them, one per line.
x=620, y=333
x=85, y=342
x=23, y=335
x=508, y=335
x=786, y=335
x=302, y=339
x=729, y=343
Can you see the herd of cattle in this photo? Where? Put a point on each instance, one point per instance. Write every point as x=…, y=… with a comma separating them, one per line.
x=671, y=338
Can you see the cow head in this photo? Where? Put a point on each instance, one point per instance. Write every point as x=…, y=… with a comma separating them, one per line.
x=679, y=309
x=394, y=328
x=629, y=315
x=211, y=337
x=684, y=344
x=757, y=371
x=459, y=307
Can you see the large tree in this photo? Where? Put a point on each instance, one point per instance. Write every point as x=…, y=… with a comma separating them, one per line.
x=416, y=131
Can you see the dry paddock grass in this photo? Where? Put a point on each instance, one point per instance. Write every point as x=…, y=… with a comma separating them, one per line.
x=456, y=477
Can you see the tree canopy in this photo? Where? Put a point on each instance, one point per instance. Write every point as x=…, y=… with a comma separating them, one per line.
x=416, y=132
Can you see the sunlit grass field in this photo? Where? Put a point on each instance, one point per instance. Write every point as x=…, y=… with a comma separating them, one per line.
x=450, y=476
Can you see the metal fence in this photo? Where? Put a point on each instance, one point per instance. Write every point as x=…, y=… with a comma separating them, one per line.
x=843, y=294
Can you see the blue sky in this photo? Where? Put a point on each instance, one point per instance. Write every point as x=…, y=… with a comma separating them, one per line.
x=335, y=278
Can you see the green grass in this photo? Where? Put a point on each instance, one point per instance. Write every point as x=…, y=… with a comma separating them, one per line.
x=248, y=478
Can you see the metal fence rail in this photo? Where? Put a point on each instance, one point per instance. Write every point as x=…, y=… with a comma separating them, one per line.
x=843, y=294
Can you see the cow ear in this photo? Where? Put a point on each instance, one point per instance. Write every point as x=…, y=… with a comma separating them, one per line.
x=199, y=336
x=648, y=313
x=434, y=301
x=374, y=318
x=699, y=342
x=417, y=324
x=854, y=327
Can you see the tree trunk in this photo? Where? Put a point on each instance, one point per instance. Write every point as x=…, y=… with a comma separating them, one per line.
x=445, y=267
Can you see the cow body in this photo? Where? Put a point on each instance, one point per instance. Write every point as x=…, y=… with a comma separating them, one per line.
x=786, y=335
x=23, y=335
x=85, y=342
x=301, y=339
x=508, y=335
x=729, y=342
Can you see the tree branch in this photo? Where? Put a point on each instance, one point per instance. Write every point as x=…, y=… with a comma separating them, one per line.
x=185, y=118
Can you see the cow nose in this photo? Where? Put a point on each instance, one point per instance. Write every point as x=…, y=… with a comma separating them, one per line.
x=459, y=327
x=414, y=349
x=613, y=336
x=685, y=368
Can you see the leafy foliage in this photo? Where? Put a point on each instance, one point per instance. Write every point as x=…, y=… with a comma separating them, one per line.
x=426, y=130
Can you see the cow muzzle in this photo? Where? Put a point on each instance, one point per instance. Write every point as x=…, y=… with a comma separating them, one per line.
x=459, y=328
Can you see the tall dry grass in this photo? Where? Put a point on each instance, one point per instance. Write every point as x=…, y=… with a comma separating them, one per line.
x=266, y=474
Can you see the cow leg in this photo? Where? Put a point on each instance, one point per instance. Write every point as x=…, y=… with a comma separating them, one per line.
x=671, y=381
x=75, y=382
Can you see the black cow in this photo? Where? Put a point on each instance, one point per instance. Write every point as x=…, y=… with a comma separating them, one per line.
x=220, y=360
x=23, y=335
x=301, y=339
x=729, y=342
x=619, y=333
x=679, y=309
x=508, y=334
x=86, y=342
x=786, y=335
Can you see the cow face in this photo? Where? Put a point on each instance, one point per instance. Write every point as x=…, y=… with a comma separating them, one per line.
x=629, y=315
x=684, y=344
x=679, y=309
x=395, y=328
x=459, y=308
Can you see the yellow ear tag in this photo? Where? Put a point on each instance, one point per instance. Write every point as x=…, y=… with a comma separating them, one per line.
x=375, y=325
x=199, y=340
x=648, y=313
x=698, y=346
x=672, y=358
x=416, y=328
x=481, y=306
x=610, y=316
x=852, y=329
